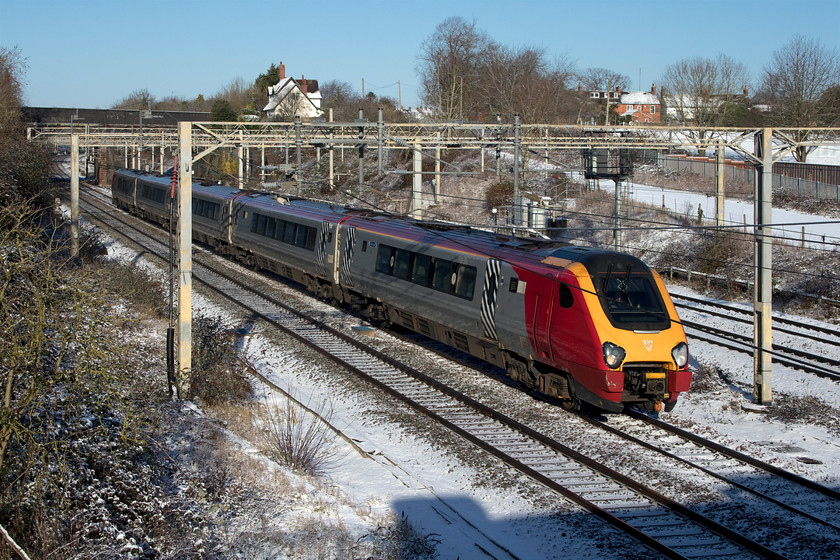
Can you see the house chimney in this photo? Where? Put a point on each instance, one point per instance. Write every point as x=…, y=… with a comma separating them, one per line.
x=303, y=84
x=653, y=88
x=281, y=69
x=618, y=90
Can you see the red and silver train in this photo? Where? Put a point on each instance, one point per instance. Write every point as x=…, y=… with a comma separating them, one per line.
x=576, y=323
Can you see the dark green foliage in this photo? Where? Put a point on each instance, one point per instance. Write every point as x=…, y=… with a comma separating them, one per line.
x=262, y=83
x=222, y=111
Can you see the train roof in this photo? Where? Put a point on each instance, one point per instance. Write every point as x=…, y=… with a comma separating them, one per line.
x=455, y=237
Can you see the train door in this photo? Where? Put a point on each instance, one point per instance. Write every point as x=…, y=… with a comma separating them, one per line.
x=543, y=311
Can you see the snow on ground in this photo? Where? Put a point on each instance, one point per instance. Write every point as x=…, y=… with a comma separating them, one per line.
x=786, y=223
x=728, y=413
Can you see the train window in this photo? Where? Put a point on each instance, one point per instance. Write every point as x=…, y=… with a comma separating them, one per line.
x=514, y=284
x=153, y=194
x=383, y=259
x=465, y=283
x=311, y=236
x=631, y=301
x=402, y=264
x=441, y=279
x=364, y=246
x=300, y=235
x=420, y=272
x=270, y=225
x=205, y=208
x=289, y=234
x=258, y=225
x=280, y=229
x=566, y=298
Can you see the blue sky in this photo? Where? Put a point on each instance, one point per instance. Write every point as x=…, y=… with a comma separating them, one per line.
x=92, y=53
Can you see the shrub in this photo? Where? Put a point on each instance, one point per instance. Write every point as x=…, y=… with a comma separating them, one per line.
x=296, y=435
x=499, y=195
x=217, y=374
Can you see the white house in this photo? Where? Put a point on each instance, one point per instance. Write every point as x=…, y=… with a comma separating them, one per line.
x=290, y=97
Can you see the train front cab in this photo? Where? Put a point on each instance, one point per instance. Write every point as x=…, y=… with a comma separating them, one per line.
x=641, y=355
x=123, y=190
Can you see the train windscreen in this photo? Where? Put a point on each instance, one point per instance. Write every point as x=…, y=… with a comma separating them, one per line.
x=630, y=299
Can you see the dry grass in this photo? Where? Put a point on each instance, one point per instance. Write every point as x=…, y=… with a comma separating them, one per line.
x=804, y=410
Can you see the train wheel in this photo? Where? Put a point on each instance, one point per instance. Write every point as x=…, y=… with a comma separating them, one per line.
x=571, y=404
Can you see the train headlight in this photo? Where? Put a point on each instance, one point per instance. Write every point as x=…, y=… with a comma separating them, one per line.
x=613, y=354
x=680, y=354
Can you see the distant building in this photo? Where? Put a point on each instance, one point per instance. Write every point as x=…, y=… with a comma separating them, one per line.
x=634, y=106
x=290, y=97
x=640, y=106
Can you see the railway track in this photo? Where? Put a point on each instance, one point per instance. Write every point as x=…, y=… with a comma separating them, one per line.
x=786, y=333
x=795, y=494
x=671, y=529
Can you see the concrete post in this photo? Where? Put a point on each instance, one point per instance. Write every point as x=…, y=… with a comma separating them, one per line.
x=617, y=222
x=361, y=152
x=516, y=137
x=332, y=156
x=417, y=184
x=185, y=173
x=436, y=190
x=719, y=170
x=380, y=137
x=74, y=195
x=763, y=296
x=299, y=150
x=240, y=159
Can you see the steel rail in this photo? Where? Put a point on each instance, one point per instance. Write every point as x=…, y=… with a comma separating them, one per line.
x=725, y=451
x=790, y=357
x=780, y=320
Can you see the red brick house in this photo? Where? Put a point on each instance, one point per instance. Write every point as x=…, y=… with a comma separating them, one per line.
x=640, y=106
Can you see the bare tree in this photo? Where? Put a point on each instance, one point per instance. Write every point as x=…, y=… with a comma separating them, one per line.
x=448, y=64
x=795, y=80
x=703, y=91
x=12, y=68
x=291, y=106
x=599, y=79
x=136, y=100
x=240, y=94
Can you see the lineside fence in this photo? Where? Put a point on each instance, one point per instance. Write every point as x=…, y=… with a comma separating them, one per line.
x=784, y=181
